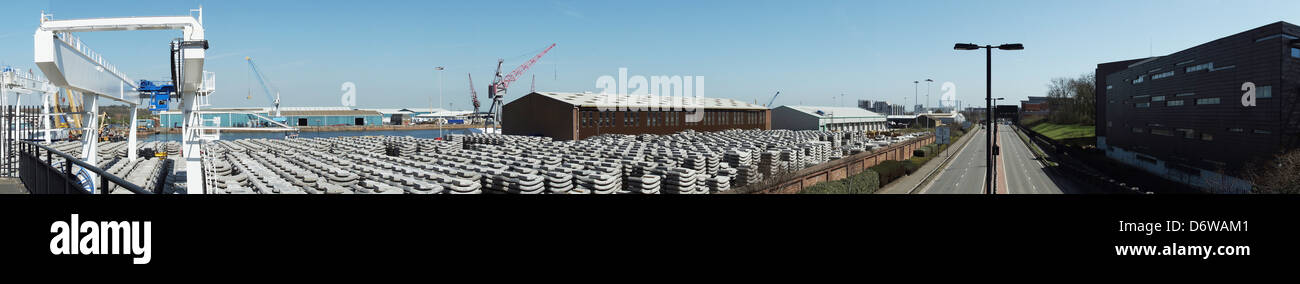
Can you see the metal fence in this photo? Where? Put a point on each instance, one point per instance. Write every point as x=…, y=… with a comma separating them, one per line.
x=20, y=123
x=45, y=170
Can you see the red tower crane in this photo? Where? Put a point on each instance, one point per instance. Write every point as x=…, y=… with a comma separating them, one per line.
x=497, y=90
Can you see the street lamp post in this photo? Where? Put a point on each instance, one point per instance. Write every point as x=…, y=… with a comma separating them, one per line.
x=914, y=95
x=929, y=84
x=439, y=69
x=989, y=178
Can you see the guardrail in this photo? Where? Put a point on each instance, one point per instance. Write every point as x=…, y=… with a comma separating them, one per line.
x=1072, y=168
x=43, y=177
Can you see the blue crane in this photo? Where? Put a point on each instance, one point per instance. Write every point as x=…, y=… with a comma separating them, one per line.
x=769, y=102
x=159, y=94
x=266, y=89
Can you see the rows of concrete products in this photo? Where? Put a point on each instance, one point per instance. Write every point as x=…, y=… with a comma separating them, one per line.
x=683, y=163
x=149, y=172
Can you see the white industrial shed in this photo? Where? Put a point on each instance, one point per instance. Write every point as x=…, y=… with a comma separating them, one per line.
x=827, y=118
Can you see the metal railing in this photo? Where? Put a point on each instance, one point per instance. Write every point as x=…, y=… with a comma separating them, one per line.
x=45, y=177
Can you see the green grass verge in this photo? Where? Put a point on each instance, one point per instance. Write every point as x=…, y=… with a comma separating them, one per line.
x=1072, y=134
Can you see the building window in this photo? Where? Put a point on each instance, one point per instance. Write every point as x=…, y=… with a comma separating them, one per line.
x=1207, y=137
x=1146, y=159
x=1140, y=79
x=1237, y=130
x=1199, y=67
x=1261, y=131
x=1158, y=98
x=1108, y=87
x=1223, y=68
x=1162, y=132
x=1287, y=36
x=1141, y=97
x=1264, y=92
x=1295, y=52
x=1188, y=133
x=1174, y=103
x=1162, y=75
x=1139, y=130
x=1207, y=101
x=1185, y=95
x=1142, y=105
x=1186, y=62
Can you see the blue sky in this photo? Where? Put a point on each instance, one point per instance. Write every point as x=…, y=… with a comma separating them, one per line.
x=811, y=51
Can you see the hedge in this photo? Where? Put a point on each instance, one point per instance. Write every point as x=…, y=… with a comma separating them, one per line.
x=889, y=171
x=866, y=182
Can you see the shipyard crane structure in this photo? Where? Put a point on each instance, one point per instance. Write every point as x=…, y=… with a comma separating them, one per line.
x=473, y=95
x=72, y=65
x=266, y=88
x=20, y=83
x=770, y=101
x=497, y=90
x=13, y=81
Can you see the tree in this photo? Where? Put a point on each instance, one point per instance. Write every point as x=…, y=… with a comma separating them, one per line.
x=1281, y=175
x=1072, y=100
x=1084, y=89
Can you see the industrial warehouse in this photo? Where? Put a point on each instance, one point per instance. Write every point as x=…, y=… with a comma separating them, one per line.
x=576, y=116
x=827, y=118
x=1203, y=115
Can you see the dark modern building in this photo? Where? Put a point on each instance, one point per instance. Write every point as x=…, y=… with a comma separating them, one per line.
x=573, y=116
x=1190, y=115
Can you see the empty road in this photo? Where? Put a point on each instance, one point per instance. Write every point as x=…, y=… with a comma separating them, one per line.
x=965, y=174
x=1025, y=174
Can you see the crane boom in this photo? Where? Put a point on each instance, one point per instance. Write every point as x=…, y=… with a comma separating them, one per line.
x=769, y=102
x=497, y=90
x=504, y=83
x=473, y=95
x=266, y=88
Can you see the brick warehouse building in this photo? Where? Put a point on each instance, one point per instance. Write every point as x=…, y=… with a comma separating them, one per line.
x=1186, y=116
x=574, y=116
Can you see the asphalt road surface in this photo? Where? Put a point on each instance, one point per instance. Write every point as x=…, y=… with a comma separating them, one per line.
x=965, y=174
x=1024, y=173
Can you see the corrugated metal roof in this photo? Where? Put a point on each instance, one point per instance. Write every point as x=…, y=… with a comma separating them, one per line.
x=327, y=112
x=406, y=110
x=637, y=101
x=836, y=112
x=837, y=115
x=446, y=113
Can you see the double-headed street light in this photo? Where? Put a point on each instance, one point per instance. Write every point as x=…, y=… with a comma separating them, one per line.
x=929, y=84
x=914, y=96
x=990, y=181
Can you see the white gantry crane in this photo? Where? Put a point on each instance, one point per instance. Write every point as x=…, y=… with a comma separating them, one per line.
x=19, y=83
x=70, y=64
